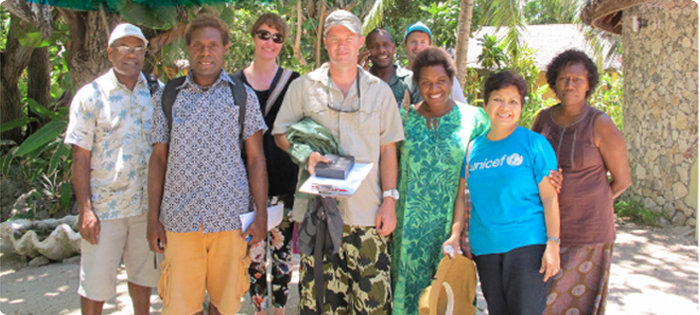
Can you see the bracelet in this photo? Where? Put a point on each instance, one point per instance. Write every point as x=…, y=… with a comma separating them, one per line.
x=554, y=239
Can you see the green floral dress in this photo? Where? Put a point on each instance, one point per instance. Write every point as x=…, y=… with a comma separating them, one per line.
x=430, y=165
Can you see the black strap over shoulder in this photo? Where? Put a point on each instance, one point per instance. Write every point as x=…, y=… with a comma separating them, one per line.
x=240, y=98
x=168, y=99
x=152, y=81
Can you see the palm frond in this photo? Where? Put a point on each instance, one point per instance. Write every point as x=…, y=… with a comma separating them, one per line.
x=375, y=15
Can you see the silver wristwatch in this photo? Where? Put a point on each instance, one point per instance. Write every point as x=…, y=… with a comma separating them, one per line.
x=393, y=193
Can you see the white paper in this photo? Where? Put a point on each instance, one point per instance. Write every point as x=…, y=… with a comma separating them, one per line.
x=274, y=217
x=338, y=187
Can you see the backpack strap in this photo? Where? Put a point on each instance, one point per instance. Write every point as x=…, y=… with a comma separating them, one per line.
x=168, y=99
x=240, y=98
x=152, y=81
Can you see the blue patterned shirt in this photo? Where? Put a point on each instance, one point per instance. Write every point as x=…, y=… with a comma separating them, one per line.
x=113, y=123
x=205, y=181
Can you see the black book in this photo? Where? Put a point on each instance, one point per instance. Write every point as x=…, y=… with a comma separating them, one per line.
x=338, y=168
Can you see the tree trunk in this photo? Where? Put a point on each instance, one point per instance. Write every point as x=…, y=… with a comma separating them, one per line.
x=319, y=31
x=297, y=39
x=156, y=44
x=89, y=32
x=14, y=60
x=463, y=33
x=38, y=83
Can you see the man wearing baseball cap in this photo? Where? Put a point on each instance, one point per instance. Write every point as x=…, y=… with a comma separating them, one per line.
x=360, y=111
x=418, y=37
x=110, y=119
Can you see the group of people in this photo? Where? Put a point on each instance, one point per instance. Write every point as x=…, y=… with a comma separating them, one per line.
x=162, y=173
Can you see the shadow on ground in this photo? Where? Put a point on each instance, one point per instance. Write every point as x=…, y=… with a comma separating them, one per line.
x=655, y=271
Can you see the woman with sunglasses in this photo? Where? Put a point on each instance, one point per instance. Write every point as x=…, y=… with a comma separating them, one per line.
x=270, y=83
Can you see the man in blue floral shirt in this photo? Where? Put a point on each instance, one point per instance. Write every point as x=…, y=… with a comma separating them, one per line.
x=110, y=119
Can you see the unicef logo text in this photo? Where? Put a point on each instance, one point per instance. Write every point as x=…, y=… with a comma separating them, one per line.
x=512, y=160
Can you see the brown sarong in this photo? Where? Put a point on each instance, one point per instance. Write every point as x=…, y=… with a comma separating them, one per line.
x=582, y=285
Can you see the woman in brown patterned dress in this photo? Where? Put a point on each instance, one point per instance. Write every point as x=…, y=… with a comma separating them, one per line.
x=588, y=146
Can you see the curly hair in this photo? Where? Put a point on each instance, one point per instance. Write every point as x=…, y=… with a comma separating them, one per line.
x=572, y=57
x=203, y=21
x=433, y=56
x=271, y=20
x=503, y=80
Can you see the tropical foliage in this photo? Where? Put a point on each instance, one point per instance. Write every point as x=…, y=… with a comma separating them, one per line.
x=47, y=56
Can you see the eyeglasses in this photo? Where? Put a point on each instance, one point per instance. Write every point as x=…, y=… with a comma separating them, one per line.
x=265, y=35
x=343, y=110
x=125, y=50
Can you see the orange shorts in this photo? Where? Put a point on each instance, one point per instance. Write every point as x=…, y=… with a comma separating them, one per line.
x=197, y=262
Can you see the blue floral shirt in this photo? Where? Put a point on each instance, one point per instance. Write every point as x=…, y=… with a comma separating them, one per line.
x=114, y=123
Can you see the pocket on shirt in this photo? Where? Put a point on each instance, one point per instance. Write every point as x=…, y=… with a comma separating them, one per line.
x=180, y=114
x=367, y=121
x=317, y=110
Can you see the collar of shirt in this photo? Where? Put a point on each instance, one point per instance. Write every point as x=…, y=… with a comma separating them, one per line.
x=189, y=80
x=402, y=72
x=399, y=75
x=114, y=81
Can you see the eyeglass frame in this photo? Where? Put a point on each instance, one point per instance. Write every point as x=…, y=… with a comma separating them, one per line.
x=359, y=98
x=125, y=50
x=265, y=35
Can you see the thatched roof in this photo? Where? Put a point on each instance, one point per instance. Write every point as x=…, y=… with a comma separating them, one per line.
x=548, y=40
x=607, y=14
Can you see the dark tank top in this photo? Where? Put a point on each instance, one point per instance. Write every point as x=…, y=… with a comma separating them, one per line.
x=585, y=201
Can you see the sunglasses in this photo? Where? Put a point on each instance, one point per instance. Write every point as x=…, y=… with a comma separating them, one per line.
x=265, y=35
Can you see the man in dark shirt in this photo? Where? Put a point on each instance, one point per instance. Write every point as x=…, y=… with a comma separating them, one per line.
x=380, y=50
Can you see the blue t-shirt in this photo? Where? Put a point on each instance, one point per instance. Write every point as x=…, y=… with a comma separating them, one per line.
x=507, y=212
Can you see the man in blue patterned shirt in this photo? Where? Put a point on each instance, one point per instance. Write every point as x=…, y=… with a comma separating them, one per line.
x=110, y=119
x=198, y=184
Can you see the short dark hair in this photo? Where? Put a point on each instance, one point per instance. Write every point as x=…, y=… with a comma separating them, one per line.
x=503, y=80
x=203, y=21
x=433, y=56
x=379, y=31
x=572, y=57
x=272, y=20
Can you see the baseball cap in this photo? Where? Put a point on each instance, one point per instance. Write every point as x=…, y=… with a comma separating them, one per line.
x=343, y=18
x=418, y=26
x=124, y=30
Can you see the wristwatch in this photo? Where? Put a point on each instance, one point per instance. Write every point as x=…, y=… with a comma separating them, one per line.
x=554, y=239
x=393, y=193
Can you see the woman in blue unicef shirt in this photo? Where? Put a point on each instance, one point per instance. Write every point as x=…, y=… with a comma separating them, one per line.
x=514, y=222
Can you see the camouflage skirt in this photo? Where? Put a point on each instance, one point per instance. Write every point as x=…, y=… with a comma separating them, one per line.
x=357, y=279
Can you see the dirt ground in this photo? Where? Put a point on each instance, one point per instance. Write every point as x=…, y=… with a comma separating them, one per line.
x=655, y=271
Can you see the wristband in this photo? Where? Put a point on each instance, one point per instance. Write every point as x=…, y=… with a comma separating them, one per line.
x=554, y=239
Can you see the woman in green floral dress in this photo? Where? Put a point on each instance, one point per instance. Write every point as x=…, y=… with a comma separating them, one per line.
x=437, y=132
